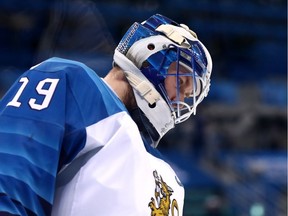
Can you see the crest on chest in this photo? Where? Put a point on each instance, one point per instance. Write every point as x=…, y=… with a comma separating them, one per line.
x=162, y=202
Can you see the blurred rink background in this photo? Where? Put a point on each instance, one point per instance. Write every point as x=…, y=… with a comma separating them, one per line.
x=232, y=156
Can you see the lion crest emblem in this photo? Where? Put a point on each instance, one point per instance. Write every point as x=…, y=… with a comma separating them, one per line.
x=161, y=203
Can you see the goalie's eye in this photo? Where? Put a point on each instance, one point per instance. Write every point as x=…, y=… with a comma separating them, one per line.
x=178, y=84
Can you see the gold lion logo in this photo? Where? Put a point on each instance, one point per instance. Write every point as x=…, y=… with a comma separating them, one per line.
x=161, y=204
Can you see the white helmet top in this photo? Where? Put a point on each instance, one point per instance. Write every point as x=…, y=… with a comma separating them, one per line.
x=145, y=54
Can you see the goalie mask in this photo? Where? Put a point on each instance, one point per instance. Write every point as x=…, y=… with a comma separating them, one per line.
x=155, y=51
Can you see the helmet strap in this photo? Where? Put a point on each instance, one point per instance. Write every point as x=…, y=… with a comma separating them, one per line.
x=143, y=88
x=159, y=115
x=136, y=79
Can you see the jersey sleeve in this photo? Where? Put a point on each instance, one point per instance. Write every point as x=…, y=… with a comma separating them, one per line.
x=32, y=125
x=42, y=127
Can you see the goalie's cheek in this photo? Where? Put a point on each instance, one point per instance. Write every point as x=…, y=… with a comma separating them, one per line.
x=171, y=89
x=184, y=89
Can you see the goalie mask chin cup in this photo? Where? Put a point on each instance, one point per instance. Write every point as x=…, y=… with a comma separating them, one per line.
x=145, y=54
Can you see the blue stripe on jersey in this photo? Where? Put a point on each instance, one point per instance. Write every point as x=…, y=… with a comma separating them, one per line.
x=41, y=132
x=30, y=150
x=13, y=207
x=40, y=181
x=30, y=201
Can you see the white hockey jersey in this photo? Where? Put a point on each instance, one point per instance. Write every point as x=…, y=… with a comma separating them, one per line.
x=120, y=177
